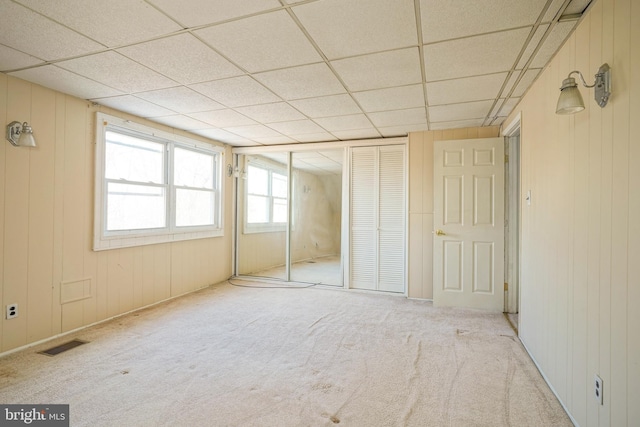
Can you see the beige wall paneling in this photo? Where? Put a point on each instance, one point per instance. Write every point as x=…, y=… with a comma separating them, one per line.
x=5, y=145
x=580, y=224
x=594, y=235
x=16, y=225
x=633, y=297
x=58, y=211
x=41, y=215
x=620, y=220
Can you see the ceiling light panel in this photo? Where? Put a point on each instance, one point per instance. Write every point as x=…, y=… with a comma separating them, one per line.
x=476, y=88
x=485, y=54
x=305, y=81
x=48, y=41
x=66, y=82
x=123, y=21
x=394, y=98
x=180, y=99
x=201, y=12
x=380, y=70
x=368, y=25
x=452, y=19
x=183, y=58
x=262, y=42
x=327, y=106
x=237, y=92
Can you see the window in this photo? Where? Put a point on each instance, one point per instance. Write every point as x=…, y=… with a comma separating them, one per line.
x=153, y=187
x=266, y=198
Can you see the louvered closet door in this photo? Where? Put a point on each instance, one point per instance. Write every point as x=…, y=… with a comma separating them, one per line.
x=378, y=200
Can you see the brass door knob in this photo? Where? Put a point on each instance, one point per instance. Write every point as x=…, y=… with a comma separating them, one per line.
x=440, y=233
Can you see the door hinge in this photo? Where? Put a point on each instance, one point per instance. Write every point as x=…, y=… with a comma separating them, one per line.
x=506, y=158
x=506, y=286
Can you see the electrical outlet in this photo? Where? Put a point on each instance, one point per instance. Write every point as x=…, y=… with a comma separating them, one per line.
x=598, y=391
x=12, y=311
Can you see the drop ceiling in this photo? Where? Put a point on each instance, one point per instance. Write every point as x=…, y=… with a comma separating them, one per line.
x=265, y=72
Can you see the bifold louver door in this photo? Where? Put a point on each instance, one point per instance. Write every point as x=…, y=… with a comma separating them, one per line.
x=378, y=211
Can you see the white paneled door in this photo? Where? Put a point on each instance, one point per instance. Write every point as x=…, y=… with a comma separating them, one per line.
x=377, y=221
x=468, y=252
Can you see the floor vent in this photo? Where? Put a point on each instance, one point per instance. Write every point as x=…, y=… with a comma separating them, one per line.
x=54, y=351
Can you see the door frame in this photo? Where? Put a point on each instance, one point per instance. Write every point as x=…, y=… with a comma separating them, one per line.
x=513, y=225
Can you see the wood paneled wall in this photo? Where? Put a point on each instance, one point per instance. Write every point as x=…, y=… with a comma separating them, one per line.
x=46, y=222
x=580, y=277
x=421, y=202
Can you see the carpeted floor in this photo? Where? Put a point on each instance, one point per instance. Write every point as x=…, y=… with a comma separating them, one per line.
x=259, y=356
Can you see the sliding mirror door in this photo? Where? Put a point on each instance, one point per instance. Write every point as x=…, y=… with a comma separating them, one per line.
x=262, y=215
x=316, y=217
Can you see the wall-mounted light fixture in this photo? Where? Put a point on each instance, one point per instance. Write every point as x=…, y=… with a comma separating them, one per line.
x=570, y=100
x=20, y=135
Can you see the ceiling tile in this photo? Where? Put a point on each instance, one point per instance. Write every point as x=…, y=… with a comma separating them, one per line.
x=115, y=70
x=451, y=19
x=11, y=59
x=182, y=58
x=553, y=42
x=180, y=99
x=457, y=124
x=327, y=106
x=254, y=131
x=533, y=44
x=338, y=123
x=466, y=89
x=468, y=110
x=503, y=108
x=392, y=131
x=262, y=42
x=275, y=140
x=346, y=135
x=236, y=92
x=270, y=113
x=121, y=22
x=399, y=117
x=49, y=41
x=200, y=12
x=368, y=25
x=223, y=118
x=181, y=122
x=553, y=10
x=66, y=82
x=511, y=82
x=394, y=98
x=577, y=6
x=305, y=81
x=224, y=136
x=131, y=104
x=485, y=54
x=314, y=137
x=380, y=70
x=297, y=127
x=528, y=78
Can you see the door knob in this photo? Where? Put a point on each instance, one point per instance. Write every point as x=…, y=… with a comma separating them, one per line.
x=440, y=233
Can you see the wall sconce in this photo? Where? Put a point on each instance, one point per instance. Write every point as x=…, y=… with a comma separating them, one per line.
x=20, y=135
x=570, y=100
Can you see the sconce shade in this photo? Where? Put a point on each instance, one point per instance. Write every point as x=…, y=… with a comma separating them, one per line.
x=570, y=100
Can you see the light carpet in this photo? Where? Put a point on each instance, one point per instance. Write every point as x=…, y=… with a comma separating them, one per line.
x=246, y=356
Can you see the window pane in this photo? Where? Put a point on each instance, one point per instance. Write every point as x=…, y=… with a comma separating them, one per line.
x=279, y=210
x=192, y=169
x=131, y=207
x=194, y=207
x=279, y=185
x=257, y=209
x=257, y=181
x=133, y=159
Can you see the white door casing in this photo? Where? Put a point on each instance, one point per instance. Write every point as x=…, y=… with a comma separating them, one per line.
x=468, y=248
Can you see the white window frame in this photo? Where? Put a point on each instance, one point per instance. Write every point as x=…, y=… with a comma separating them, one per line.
x=264, y=227
x=104, y=239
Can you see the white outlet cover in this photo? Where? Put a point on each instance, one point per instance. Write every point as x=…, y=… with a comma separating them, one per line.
x=598, y=390
x=12, y=311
